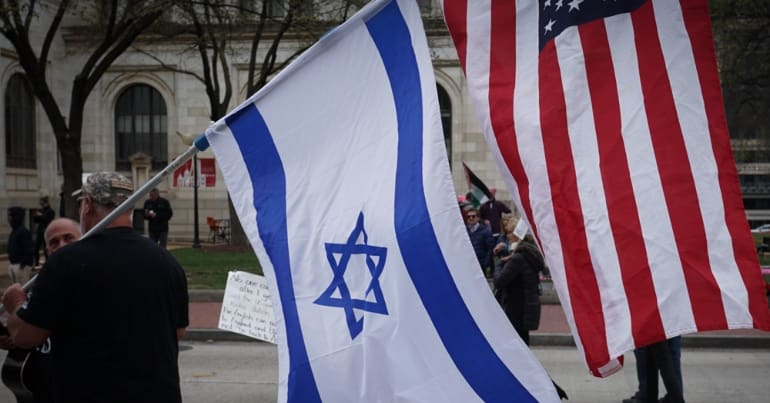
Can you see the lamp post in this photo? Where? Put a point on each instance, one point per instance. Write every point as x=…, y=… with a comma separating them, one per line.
x=188, y=139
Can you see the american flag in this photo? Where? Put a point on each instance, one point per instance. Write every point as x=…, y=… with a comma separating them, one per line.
x=606, y=120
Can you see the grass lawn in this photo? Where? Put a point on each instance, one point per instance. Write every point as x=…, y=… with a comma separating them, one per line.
x=759, y=237
x=764, y=260
x=207, y=267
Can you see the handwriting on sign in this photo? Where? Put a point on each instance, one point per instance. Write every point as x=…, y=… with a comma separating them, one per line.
x=247, y=308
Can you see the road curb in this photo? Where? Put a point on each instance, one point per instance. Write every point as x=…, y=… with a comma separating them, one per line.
x=206, y=295
x=689, y=341
x=741, y=342
x=216, y=335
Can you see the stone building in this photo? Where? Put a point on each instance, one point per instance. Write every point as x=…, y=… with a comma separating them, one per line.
x=137, y=109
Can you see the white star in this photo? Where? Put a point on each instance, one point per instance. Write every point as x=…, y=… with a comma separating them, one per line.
x=546, y=4
x=575, y=5
x=559, y=4
x=549, y=26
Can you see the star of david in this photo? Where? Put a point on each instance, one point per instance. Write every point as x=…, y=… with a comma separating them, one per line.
x=338, y=256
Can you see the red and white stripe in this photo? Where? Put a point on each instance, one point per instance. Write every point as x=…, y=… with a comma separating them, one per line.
x=614, y=144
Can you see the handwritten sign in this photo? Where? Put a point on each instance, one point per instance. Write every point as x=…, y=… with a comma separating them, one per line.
x=247, y=308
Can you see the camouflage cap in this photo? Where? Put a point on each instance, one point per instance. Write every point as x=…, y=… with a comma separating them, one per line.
x=106, y=188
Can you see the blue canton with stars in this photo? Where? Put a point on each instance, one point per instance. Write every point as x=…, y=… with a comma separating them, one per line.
x=375, y=262
x=558, y=15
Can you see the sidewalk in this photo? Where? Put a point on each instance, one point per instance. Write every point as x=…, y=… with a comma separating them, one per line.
x=205, y=306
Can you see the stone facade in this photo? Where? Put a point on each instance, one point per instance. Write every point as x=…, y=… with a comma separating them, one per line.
x=187, y=111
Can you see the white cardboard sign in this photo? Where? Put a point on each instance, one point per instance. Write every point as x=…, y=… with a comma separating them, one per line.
x=247, y=308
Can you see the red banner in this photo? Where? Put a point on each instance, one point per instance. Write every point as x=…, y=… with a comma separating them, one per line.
x=207, y=174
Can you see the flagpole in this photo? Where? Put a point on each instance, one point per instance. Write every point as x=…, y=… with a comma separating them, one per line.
x=200, y=144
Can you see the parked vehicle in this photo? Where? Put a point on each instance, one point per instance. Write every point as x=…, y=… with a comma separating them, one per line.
x=762, y=228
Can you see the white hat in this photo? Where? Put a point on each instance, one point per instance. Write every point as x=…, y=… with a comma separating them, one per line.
x=521, y=228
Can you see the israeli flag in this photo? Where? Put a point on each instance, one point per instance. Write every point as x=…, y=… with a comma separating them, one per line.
x=338, y=172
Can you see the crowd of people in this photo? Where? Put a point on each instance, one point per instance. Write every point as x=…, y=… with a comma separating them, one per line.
x=24, y=246
x=509, y=257
x=115, y=305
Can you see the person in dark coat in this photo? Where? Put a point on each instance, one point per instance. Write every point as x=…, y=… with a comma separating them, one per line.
x=492, y=211
x=20, y=247
x=517, y=287
x=481, y=238
x=157, y=212
x=42, y=217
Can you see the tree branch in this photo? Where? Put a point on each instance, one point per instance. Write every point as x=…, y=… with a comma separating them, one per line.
x=167, y=66
x=49, y=36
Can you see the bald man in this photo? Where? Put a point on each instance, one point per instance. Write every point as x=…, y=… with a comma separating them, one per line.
x=60, y=232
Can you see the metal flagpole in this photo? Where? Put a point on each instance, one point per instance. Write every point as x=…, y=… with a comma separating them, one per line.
x=200, y=144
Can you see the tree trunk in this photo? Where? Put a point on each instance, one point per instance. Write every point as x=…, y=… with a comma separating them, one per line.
x=237, y=236
x=72, y=167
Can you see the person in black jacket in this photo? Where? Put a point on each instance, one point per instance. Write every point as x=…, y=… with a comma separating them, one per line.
x=481, y=239
x=517, y=286
x=157, y=212
x=20, y=247
x=42, y=217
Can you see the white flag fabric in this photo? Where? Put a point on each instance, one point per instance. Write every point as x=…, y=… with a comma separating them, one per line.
x=606, y=121
x=338, y=172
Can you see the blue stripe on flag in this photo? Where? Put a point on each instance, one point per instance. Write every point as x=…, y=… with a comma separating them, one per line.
x=265, y=168
x=464, y=341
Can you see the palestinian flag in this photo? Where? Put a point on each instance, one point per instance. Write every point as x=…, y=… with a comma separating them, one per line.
x=477, y=188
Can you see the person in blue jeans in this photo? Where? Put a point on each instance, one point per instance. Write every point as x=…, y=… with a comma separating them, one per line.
x=674, y=347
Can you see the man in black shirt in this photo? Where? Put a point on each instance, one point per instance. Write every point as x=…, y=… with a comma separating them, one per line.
x=114, y=304
x=36, y=375
x=157, y=212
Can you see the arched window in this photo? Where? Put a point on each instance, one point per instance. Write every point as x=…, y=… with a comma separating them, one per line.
x=19, y=124
x=140, y=126
x=445, y=106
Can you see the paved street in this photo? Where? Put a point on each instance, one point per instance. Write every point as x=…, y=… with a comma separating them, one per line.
x=234, y=372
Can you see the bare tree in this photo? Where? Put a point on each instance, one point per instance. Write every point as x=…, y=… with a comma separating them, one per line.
x=114, y=27
x=223, y=29
x=742, y=36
